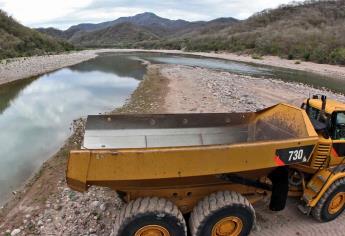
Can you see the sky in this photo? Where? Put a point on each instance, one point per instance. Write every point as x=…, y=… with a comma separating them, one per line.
x=64, y=13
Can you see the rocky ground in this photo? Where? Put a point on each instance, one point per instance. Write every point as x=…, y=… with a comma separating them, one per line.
x=21, y=68
x=48, y=207
x=194, y=89
x=25, y=67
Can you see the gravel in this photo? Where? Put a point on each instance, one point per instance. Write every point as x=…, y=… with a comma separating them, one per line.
x=26, y=67
x=195, y=89
x=191, y=89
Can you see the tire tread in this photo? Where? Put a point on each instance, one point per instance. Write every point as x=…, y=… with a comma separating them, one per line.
x=142, y=206
x=206, y=207
x=317, y=210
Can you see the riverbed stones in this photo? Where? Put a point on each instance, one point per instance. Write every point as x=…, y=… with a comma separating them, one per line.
x=94, y=212
x=15, y=232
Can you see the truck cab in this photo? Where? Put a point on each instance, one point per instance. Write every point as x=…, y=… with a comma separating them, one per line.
x=328, y=119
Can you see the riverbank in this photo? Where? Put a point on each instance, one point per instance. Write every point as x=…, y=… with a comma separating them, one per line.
x=194, y=89
x=322, y=69
x=26, y=67
x=21, y=68
x=47, y=206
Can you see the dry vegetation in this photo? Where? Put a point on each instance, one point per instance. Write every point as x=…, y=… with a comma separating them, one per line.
x=124, y=34
x=17, y=40
x=312, y=31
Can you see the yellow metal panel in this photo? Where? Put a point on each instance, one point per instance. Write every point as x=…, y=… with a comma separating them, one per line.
x=289, y=118
x=77, y=170
x=186, y=198
x=331, y=105
x=185, y=162
x=330, y=180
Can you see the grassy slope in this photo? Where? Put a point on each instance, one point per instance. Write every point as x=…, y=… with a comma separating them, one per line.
x=17, y=40
x=119, y=35
x=312, y=31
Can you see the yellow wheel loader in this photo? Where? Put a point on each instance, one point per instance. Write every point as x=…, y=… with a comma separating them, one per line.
x=214, y=166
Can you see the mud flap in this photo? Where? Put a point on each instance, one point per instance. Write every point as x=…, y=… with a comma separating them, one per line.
x=280, y=188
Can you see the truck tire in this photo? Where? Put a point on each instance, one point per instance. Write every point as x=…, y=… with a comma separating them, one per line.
x=222, y=213
x=332, y=202
x=143, y=216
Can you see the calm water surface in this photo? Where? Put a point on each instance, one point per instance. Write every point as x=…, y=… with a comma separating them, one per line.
x=35, y=114
x=260, y=71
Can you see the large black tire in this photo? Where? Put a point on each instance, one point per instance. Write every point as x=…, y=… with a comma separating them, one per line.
x=150, y=211
x=217, y=207
x=321, y=211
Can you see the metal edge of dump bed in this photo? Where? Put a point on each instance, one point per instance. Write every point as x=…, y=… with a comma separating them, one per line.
x=113, y=165
x=92, y=166
x=135, y=131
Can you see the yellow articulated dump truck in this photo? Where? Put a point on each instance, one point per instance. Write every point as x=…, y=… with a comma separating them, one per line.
x=213, y=167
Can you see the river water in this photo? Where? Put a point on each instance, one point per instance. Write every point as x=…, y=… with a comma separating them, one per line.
x=36, y=114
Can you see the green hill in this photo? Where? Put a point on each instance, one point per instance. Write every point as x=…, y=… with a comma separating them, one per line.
x=17, y=40
x=312, y=31
x=120, y=35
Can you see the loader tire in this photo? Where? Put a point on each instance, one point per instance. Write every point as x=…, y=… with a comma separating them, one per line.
x=222, y=213
x=332, y=202
x=143, y=216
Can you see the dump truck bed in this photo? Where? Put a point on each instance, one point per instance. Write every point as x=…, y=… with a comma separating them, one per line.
x=118, y=149
x=168, y=130
x=180, y=130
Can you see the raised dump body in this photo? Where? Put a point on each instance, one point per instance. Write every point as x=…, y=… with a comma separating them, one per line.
x=121, y=151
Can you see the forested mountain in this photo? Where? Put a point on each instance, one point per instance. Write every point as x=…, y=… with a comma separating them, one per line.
x=17, y=40
x=313, y=30
x=127, y=31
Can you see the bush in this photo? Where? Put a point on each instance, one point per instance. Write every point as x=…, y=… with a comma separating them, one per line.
x=337, y=56
x=17, y=40
x=290, y=56
x=320, y=55
x=257, y=56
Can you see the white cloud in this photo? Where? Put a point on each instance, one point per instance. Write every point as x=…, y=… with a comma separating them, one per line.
x=38, y=11
x=63, y=13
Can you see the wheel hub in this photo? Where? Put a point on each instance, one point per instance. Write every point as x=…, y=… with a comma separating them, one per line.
x=152, y=230
x=337, y=203
x=229, y=226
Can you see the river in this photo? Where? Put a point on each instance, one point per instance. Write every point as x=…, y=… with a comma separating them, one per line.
x=36, y=113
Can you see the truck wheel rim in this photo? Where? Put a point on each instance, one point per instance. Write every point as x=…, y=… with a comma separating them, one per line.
x=337, y=203
x=229, y=226
x=152, y=230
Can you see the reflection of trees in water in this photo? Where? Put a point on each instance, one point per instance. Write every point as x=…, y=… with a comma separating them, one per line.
x=9, y=92
x=120, y=65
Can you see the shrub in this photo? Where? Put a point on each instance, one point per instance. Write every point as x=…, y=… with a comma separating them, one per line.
x=337, y=56
x=319, y=55
x=257, y=56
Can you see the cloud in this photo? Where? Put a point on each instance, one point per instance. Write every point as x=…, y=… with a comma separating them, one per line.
x=62, y=14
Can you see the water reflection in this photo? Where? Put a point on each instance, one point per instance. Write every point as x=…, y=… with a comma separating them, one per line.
x=121, y=65
x=35, y=114
x=10, y=91
x=35, y=120
x=259, y=71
